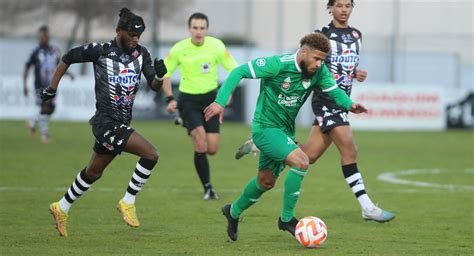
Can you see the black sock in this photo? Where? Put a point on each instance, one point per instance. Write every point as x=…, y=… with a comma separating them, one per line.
x=354, y=179
x=202, y=167
x=80, y=185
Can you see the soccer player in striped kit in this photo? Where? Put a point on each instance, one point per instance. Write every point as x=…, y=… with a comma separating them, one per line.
x=44, y=58
x=332, y=123
x=118, y=66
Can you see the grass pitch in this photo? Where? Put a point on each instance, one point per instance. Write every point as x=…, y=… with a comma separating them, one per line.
x=431, y=219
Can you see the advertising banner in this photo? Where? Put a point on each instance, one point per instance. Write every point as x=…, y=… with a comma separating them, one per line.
x=400, y=107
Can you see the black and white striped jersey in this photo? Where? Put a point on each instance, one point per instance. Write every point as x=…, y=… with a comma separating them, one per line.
x=44, y=59
x=342, y=61
x=117, y=78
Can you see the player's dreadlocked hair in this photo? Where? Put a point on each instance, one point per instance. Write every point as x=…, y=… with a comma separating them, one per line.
x=331, y=3
x=130, y=22
x=317, y=41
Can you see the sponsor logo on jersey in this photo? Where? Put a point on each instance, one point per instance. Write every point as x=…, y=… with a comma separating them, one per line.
x=333, y=35
x=126, y=100
x=348, y=59
x=261, y=62
x=290, y=141
x=288, y=101
x=343, y=80
x=124, y=57
x=286, y=83
x=108, y=146
x=205, y=67
x=135, y=54
x=127, y=78
x=339, y=78
x=355, y=34
x=306, y=83
x=346, y=38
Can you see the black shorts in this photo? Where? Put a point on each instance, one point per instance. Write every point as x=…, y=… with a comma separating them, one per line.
x=191, y=107
x=328, y=118
x=110, y=138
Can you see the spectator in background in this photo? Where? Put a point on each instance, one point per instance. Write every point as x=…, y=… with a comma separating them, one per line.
x=44, y=58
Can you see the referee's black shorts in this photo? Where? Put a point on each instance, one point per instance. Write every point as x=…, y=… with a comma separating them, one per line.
x=191, y=107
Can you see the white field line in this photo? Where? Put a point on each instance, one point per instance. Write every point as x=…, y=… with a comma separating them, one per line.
x=395, y=177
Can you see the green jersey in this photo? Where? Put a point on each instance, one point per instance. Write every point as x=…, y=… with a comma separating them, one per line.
x=283, y=90
x=198, y=64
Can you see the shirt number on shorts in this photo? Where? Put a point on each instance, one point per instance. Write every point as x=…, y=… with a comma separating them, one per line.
x=344, y=117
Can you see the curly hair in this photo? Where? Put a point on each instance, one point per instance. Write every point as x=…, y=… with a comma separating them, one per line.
x=317, y=41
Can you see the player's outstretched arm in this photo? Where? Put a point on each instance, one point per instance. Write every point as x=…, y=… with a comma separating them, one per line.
x=358, y=108
x=50, y=92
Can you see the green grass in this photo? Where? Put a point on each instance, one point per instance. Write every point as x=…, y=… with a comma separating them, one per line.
x=176, y=221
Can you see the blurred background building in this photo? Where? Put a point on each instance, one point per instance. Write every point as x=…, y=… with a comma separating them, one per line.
x=426, y=45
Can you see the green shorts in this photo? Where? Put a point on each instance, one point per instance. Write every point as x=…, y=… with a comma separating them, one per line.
x=275, y=145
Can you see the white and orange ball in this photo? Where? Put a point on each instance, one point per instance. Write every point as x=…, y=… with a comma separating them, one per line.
x=311, y=232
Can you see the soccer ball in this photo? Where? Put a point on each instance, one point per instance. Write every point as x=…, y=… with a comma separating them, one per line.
x=311, y=232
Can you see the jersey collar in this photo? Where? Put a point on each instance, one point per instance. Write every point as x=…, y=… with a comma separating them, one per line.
x=296, y=63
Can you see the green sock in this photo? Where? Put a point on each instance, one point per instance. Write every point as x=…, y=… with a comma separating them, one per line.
x=249, y=196
x=293, y=181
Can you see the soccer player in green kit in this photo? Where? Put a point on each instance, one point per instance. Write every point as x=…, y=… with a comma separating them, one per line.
x=286, y=83
x=197, y=58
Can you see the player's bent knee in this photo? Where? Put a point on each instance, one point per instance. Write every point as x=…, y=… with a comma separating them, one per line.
x=266, y=181
x=313, y=159
x=350, y=155
x=267, y=184
x=201, y=147
x=303, y=165
x=154, y=155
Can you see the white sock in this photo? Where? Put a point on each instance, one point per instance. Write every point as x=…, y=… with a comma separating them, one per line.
x=128, y=198
x=64, y=205
x=43, y=124
x=365, y=201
